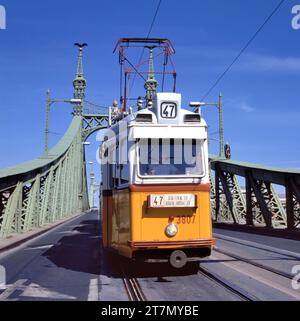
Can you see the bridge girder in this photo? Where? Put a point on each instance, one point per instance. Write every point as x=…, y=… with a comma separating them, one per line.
x=259, y=204
x=54, y=186
x=92, y=123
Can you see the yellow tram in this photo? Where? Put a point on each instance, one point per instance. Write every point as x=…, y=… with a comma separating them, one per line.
x=155, y=191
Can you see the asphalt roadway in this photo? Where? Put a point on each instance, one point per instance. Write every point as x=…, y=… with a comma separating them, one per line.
x=67, y=263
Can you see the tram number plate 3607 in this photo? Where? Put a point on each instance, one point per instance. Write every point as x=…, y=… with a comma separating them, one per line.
x=172, y=200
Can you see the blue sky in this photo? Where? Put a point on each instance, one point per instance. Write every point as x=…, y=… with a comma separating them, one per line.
x=261, y=91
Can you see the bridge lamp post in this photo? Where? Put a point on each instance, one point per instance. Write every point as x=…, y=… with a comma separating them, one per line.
x=50, y=102
x=219, y=104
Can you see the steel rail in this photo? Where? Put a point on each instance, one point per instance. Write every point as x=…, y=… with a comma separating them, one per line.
x=242, y=294
x=265, y=248
x=256, y=264
x=133, y=288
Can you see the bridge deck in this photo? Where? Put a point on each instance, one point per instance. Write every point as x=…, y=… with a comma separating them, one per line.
x=67, y=263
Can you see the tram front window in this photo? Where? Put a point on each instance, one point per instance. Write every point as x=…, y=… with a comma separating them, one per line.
x=171, y=157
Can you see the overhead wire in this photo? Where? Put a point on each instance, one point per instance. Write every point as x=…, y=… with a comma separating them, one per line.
x=243, y=49
x=148, y=35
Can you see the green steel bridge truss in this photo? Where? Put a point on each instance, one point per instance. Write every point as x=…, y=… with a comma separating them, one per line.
x=257, y=203
x=51, y=187
x=54, y=186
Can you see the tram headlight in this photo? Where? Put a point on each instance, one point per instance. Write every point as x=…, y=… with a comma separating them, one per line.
x=171, y=230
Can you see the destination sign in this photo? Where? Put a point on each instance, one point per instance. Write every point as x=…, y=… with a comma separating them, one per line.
x=172, y=200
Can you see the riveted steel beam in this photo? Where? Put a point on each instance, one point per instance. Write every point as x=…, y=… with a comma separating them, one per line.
x=45, y=189
x=225, y=187
x=92, y=123
x=292, y=203
x=31, y=209
x=11, y=210
x=256, y=188
x=260, y=203
x=48, y=192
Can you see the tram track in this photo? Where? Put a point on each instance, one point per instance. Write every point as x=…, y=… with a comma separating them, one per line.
x=265, y=275
x=253, y=263
x=237, y=291
x=257, y=246
x=133, y=288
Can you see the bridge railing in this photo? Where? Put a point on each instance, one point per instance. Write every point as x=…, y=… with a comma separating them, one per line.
x=252, y=195
x=47, y=189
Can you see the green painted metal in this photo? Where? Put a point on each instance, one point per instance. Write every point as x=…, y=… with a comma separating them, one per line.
x=48, y=104
x=93, y=123
x=221, y=127
x=11, y=212
x=32, y=205
x=151, y=83
x=46, y=207
x=79, y=84
x=257, y=203
x=53, y=186
x=219, y=105
x=30, y=168
x=45, y=189
x=240, y=168
x=230, y=201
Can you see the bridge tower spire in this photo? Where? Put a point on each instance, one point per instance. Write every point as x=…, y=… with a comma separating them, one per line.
x=79, y=82
x=151, y=83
